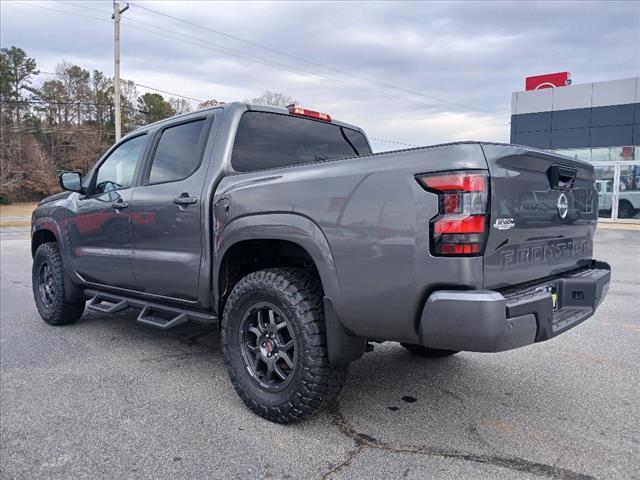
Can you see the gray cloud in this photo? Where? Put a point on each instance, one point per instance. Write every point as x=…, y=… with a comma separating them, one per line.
x=470, y=56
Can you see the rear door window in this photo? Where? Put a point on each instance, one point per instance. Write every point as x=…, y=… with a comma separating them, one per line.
x=268, y=140
x=178, y=153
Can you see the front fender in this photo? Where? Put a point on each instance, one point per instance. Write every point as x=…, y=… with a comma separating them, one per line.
x=52, y=217
x=49, y=224
x=51, y=214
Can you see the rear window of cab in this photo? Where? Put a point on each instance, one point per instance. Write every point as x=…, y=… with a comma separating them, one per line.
x=268, y=140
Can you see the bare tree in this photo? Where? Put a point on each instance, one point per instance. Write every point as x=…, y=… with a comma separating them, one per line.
x=26, y=171
x=275, y=99
x=179, y=105
x=128, y=100
x=212, y=102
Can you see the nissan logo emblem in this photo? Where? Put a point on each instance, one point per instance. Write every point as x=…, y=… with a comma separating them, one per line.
x=563, y=206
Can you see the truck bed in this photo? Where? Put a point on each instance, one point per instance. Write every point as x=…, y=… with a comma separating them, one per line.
x=375, y=217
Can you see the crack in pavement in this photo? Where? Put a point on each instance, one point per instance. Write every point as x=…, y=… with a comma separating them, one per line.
x=363, y=441
x=339, y=466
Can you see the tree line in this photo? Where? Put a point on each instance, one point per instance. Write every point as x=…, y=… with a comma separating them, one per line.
x=64, y=120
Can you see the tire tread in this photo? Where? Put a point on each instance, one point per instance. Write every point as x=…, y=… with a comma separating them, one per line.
x=320, y=383
x=61, y=312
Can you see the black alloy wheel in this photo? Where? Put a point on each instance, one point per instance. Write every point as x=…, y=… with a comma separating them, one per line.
x=46, y=285
x=268, y=346
x=49, y=289
x=274, y=344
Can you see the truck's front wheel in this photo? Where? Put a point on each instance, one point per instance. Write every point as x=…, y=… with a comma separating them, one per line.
x=47, y=278
x=275, y=345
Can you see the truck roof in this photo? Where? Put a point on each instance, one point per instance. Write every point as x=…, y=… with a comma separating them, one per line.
x=239, y=106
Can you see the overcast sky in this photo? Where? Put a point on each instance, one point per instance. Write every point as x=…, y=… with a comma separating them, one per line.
x=419, y=73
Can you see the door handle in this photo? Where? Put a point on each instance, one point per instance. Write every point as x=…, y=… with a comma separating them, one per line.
x=561, y=177
x=185, y=199
x=119, y=205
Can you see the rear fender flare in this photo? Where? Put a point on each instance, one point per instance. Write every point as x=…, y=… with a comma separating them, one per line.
x=302, y=231
x=294, y=228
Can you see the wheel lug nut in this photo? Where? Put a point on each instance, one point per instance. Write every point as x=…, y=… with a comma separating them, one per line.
x=269, y=354
x=264, y=344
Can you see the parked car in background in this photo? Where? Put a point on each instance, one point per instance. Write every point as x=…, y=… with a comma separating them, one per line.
x=628, y=200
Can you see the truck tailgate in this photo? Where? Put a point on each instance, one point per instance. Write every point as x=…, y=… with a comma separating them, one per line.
x=543, y=215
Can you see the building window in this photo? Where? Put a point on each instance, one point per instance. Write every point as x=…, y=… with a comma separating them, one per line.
x=605, y=154
x=600, y=155
x=578, y=153
x=625, y=153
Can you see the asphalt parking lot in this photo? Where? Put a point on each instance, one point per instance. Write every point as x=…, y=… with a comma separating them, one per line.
x=109, y=398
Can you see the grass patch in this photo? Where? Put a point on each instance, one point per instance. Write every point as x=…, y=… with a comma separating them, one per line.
x=14, y=223
x=10, y=214
x=18, y=209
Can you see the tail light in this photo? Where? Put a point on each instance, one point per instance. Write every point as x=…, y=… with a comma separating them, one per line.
x=305, y=112
x=460, y=227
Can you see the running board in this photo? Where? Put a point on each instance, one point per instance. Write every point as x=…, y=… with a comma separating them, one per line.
x=105, y=304
x=163, y=319
x=152, y=314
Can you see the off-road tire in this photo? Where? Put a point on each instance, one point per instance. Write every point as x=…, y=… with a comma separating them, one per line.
x=314, y=383
x=625, y=209
x=428, y=352
x=57, y=310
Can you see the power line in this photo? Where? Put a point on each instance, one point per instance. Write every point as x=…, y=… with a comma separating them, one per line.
x=79, y=5
x=396, y=142
x=393, y=141
x=168, y=93
x=75, y=104
x=231, y=52
x=270, y=63
x=222, y=49
x=61, y=11
x=143, y=86
x=238, y=53
x=310, y=62
x=234, y=52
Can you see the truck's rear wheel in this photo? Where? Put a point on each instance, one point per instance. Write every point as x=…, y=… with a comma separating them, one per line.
x=275, y=346
x=625, y=209
x=428, y=352
x=47, y=280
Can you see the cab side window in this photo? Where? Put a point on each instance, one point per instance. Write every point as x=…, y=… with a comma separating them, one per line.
x=179, y=152
x=117, y=171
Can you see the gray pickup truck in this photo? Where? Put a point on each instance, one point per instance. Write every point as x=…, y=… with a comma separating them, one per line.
x=280, y=226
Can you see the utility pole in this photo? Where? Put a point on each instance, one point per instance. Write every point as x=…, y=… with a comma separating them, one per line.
x=116, y=64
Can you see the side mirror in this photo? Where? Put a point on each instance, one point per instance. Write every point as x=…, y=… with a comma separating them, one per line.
x=71, y=181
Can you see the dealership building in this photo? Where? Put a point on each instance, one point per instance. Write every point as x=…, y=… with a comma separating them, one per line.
x=597, y=122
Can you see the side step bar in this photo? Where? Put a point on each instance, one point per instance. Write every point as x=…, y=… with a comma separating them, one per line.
x=152, y=314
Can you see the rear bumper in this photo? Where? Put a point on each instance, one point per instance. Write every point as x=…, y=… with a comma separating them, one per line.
x=491, y=321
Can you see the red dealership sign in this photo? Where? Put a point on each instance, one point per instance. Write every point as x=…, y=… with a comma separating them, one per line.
x=548, y=80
